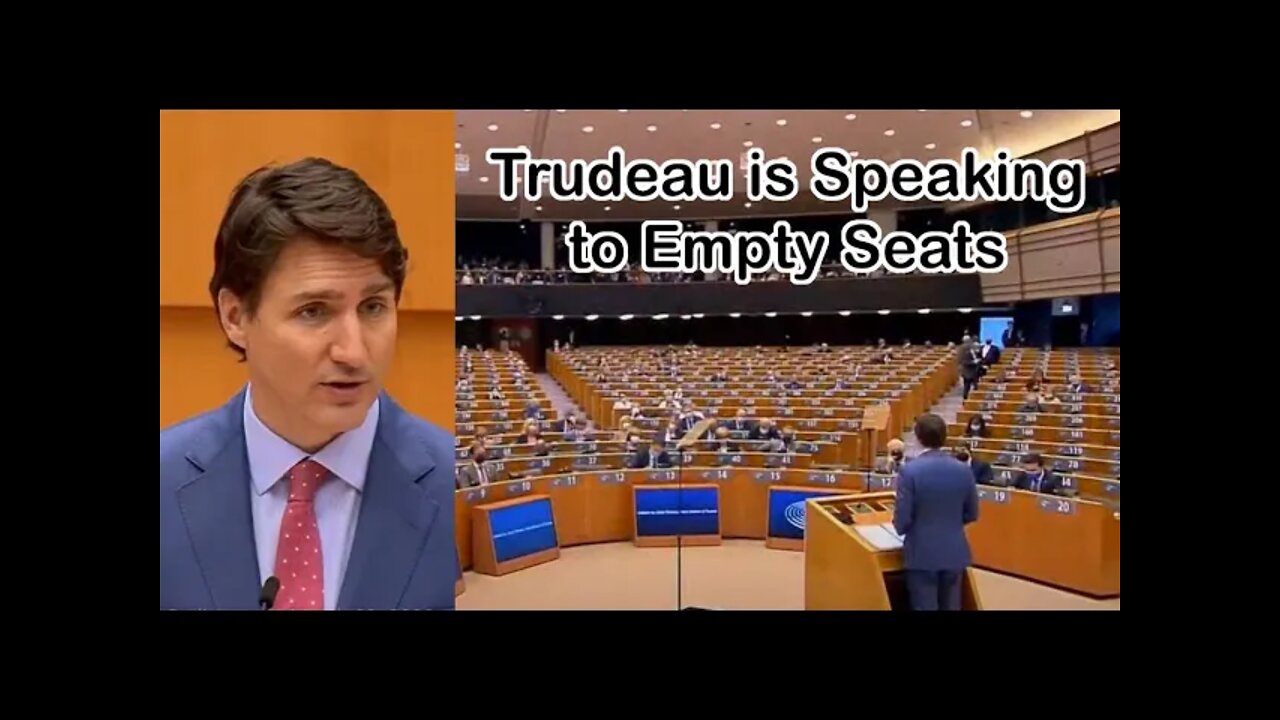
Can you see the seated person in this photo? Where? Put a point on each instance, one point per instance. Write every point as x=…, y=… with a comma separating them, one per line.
x=474, y=473
x=672, y=433
x=1047, y=397
x=667, y=402
x=1032, y=404
x=764, y=431
x=579, y=433
x=482, y=435
x=977, y=427
x=652, y=457
x=624, y=430
x=634, y=442
x=531, y=435
x=531, y=410
x=896, y=459
x=1077, y=386
x=570, y=422
x=982, y=472
x=1036, y=382
x=542, y=449
x=723, y=443
x=788, y=439
x=1036, y=477
x=622, y=403
x=495, y=393
x=739, y=421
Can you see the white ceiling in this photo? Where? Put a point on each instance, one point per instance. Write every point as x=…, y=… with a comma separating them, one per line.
x=715, y=134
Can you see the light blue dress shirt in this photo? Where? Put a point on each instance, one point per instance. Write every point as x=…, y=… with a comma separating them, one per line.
x=337, y=501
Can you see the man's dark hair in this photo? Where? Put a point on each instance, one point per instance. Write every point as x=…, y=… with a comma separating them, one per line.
x=931, y=431
x=312, y=198
x=1033, y=458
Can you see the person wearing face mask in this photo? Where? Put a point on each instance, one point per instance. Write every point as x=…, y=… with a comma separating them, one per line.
x=475, y=473
x=893, y=463
x=982, y=472
x=673, y=433
x=1036, y=477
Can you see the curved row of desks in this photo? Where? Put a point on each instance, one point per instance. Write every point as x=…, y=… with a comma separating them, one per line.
x=1068, y=542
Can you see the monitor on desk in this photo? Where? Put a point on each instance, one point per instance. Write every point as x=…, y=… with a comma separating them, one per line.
x=522, y=529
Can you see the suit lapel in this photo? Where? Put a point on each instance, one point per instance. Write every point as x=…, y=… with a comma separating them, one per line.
x=215, y=506
x=396, y=517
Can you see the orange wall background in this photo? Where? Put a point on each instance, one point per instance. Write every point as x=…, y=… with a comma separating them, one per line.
x=407, y=156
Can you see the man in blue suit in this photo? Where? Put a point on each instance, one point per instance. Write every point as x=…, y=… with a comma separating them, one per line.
x=937, y=497
x=311, y=474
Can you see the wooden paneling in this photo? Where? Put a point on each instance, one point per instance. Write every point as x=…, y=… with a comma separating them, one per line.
x=1073, y=256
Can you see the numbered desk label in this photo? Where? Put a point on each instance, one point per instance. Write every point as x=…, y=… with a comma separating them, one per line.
x=769, y=476
x=586, y=461
x=519, y=488
x=822, y=478
x=565, y=482
x=613, y=478
x=476, y=495
x=729, y=459
x=662, y=475
x=993, y=495
x=540, y=463
x=1058, y=505
x=1111, y=488
x=686, y=458
x=715, y=475
x=881, y=482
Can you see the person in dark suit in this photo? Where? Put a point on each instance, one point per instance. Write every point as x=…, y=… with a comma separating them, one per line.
x=936, y=497
x=970, y=369
x=739, y=421
x=1036, y=477
x=652, y=457
x=990, y=354
x=982, y=472
x=312, y=474
x=723, y=443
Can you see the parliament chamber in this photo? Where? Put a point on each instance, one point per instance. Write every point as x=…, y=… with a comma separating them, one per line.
x=644, y=438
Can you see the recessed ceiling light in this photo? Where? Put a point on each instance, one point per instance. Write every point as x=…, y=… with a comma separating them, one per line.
x=882, y=312
x=923, y=311
x=931, y=146
x=588, y=128
x=475, y=317
x=781, y=122
x=966, y=311
x=607, y=208
x=484, y=178
x=592, y=317
x=851, y=116
x=747, y=143
x=966, y=123
x=853, y=153
x=652, y=128
x=807, y=313
x=771, y=314
x=735, y=315
x=557, y=317
x=1026, y=113
x=457, y=146
x=846, y=313
x=661, y=316
x=715, y=126
x=493, y=127
x=675, y=207
x=685, y=317
x=817, y=139
x=922, y=111
x=528, y=111
x=559, y=111
x=537, y=208
x=457, y=318
x=626, y=317
x=889, y=132
x=746, y=204
x=622, y=111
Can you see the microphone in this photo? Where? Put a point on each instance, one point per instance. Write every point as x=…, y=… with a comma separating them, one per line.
x=267, y=597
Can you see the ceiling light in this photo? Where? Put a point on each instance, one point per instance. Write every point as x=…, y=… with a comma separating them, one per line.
x=807, y=313
x=588, y=128
x=538, y=208
x=735, y=315
x=889, y=132
x=661, y=316
x=966, y=311
x=853, y=153
x=846, y=313
x=882, y=312
x=746, y=204
x=685, y=317
x=559, y=111
x=675, y=207
x=652, y=128
x=457, y=318
x=625, y=317
x=698, y=316
x=817, y=139
x=923, y=311
x=592, y=317
x=747, y=143
x=781, y=122
x=484, y=178
x=528, y=111
x=475, y=317
x=493, y=127
x=557, y=317
x=622, y=111
x=715, y=126
x=922, y=111
x=607, y=208
x=457, y=146
x=931, y=146
x=851, y=116
x=966, y=123
x=771, y=314
x=1026, y=113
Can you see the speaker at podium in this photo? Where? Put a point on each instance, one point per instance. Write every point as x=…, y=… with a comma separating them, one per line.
x=853, y=556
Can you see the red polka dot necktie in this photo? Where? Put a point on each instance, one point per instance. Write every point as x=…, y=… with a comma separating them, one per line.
x=299, y=562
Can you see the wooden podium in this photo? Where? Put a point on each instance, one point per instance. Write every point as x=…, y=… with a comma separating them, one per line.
x=875, y=420
x=490, y=557
x=852, y=562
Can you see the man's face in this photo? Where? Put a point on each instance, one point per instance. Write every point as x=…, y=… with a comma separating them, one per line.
x=321, y=342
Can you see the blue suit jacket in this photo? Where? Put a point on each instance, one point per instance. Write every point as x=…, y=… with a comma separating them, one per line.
x=937, y=497
x=404, y=554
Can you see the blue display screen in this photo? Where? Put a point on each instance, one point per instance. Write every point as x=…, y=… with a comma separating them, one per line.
x=992, y=328
x=522, y=529
x=662, y=512
x=786, y=512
